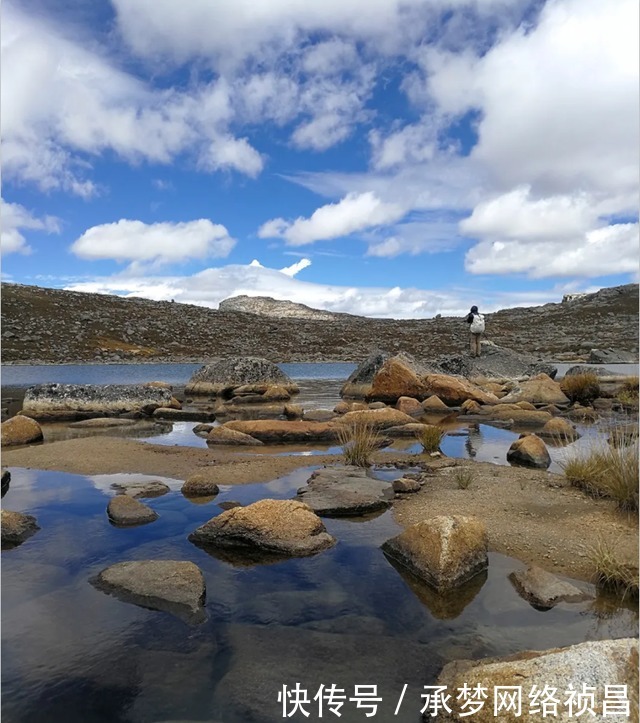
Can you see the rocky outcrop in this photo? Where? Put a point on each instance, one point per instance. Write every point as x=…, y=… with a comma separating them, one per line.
x=494, y=362
x=544, y=590
x=529, y=451
x=172, y=586
x=344, y=492
x=283, y=432
x=124, y=511
x=611, y=356
x=592, y=665
x=278, y=527
x=225, y=375
x=274, y=308
x=443, y=551
x=225, y=435
x=20, y=430
x=16, y=527
x=540, y=389
x=80, y=401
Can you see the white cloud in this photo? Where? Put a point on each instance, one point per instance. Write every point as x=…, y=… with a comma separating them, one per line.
x=16, y=218
x=156, y=244
x=296, y=268
x=355, y=212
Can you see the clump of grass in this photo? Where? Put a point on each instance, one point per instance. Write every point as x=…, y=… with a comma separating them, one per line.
x=583, y=388
x=358, y=440
x=606, y=470
x=463, y=477
x=610, y=572
x=628, y=393
x=431, y=437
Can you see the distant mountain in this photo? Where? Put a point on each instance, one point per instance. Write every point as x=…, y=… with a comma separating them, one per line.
x=54, y=326
x=266, y=306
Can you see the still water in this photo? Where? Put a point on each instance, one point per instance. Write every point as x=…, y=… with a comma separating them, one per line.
x=345, y=616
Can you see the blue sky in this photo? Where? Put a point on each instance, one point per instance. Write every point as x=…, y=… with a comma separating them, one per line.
x=394, y=158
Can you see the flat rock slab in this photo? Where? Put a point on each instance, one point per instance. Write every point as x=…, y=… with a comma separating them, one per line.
x=124, y=510
x=16, y=527
x=153, y=488
x=544, y=590
x=279, y=527
x=344, y=492
x=281, y=432
x=171, y=586
x=103, y=423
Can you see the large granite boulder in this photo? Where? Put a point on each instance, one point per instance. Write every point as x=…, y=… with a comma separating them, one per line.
x=285, y=528
x=20, y=430
x=253, y=374
x=540, y=389
x=399, y=376
x=358, y=385
x=16, y=527
x=81, y=401
x=444, y=551
x=592, y=665
x=344, y=492
x=172, y=586
x=283, y=432
x=543, y=589
x=453, y=391
x=529, y=451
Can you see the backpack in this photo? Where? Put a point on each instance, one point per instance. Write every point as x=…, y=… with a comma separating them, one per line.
x=477, y=325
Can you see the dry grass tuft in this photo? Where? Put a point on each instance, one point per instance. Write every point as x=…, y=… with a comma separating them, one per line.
x=583, y=388
x=463, y=477
x=358, y=440
x=628, y=394
x=611, y=573
x=431, y=437
x=606, y=470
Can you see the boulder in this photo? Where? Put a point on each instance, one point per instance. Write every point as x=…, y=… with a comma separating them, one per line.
x=453, y=391
x=81, y=401
x=559, y=428
x=406, y=484
x=319, y=415
x=284, y=432
x=540, y=389
x=225, y=435
x=444, y=551
x=202, y=430
x=344, y=407
x=199, y=485
x=153, y=488
x=376, y=405
x=276, y=393
x=583, y=369
x=171, y=586
x=470, y=407
x=344, y=492
x=517, y=416
x=410, y=406
x=495, y=362
x=593, y=665
x=434, y=404
x=611, y=356
x=358, y=385
x=16, y=527
x=20, y=430
x=529, y=451
x=399, y=376
x=286, y=528
x=544, y=590
x=377, y=418
x=124, y=510
x=225, y=375
x=264, y=410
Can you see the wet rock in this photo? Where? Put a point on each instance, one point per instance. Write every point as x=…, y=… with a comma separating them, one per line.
x=559, y=428
x=540, y=389
x=319, y=415
x=124, y=510
x=377, y=418
x=199, y=485
x=544, y=590
x=171, y=586
x=283, y=527
x=20, y=430
x=593, y=664
x=152, y=488
x=73, y=401
x=184, y=415
x=444, y=551
x=434, y=404
x=529, y=451
x=225, y=435
x=410, y=406
x=284, y=432
x=406, y=484
x=344, y=492
x=224, y=375
x=16, y=527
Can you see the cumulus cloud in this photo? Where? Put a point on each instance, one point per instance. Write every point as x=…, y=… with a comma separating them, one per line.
x=354, y=212
x=155, y=244
x=16, y=218
x=296, y=268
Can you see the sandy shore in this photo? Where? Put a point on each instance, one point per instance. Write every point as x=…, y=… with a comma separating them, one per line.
x=532, y=515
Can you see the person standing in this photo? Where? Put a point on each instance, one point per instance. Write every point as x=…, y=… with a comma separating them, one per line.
x=476, y=329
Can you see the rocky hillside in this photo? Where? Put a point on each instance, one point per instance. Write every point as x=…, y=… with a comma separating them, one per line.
x=266, y=306
x=49, y=325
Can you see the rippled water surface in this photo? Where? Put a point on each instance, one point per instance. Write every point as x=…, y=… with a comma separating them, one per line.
x=345, y=616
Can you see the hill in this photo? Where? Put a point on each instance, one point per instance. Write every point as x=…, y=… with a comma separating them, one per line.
x=54, y=326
